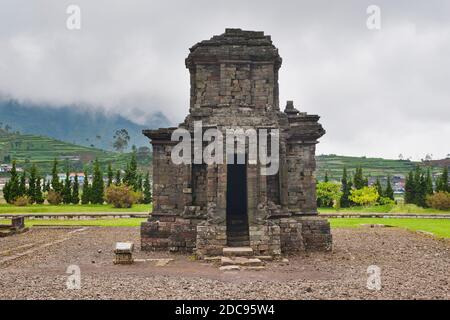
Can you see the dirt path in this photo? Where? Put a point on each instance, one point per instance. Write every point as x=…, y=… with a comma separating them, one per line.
x=412, y=266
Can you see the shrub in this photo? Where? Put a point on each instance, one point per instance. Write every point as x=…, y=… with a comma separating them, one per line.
x=139, y=197
x=54, y=198
x=439, y=200
x=122, y=196
x=365, y=196
x=385, y=201
x=328, y=193
x=22, y=201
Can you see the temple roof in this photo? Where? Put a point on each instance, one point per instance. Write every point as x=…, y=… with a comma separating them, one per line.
x=235, y=45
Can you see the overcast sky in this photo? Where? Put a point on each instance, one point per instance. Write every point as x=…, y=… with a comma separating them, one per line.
x=378, y=92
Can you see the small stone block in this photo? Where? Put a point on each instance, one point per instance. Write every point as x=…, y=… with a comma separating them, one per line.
x=124, y=247
x=230, y=268
x=225, y=261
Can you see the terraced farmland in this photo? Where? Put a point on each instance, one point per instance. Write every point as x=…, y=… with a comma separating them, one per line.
x=28, y=149
x=375, y=167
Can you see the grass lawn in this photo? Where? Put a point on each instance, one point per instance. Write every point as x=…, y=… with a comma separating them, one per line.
x=44, y=208
x=122, y=222
x=439, y=227
x=406, y=208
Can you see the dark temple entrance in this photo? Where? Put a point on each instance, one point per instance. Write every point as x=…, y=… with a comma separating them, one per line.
x=237, y=217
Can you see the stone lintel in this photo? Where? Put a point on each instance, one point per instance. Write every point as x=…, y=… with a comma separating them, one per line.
x=161, y=134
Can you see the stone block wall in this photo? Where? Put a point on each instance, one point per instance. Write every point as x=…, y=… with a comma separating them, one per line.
x=316, y=233
x=211, y=239
x=169, y=181
x=169, y=233
x=301, y=182
x=265, y=239
x=291, y=236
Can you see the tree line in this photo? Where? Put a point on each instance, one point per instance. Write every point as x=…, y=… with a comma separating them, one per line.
x=419, y=186
x=18, y=191
x=419, y=190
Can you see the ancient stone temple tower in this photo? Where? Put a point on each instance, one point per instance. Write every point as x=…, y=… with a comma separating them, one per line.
x=203, y=207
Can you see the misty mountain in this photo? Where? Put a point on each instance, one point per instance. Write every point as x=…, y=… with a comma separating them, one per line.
x=75, y=125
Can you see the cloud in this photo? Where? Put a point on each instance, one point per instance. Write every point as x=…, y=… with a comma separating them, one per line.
x=379, y=93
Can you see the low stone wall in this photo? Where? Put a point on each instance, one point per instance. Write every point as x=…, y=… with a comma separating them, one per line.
x=286, y=235
x=316, y=233
x=211, y=239
x=169, y=233
x=291, y=235
x=265, y=239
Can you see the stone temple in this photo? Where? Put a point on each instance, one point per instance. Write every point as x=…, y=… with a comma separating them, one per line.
x=203, y=208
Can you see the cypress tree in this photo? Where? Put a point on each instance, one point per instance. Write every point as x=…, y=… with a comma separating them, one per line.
x=379, y=188
x=13, y=185
x=39, y=198
x=131, y=177
x=326, y=177
x=389, y=192
x=117, y=179
x=139, y=183
x=6, y=192
x=133, y=169
x=442, y=183
x=32, y=184
x=126, y=176
x=110, y=175
x=429, y=183
x=86, y=195
x=147, y=189
x=23, y=185
x=97, y=191
x=358, y=180
x=56, y=185
x=366, y=182
x=422, y=191
x=67, y=189
x=346, y=187
x=419, y=187
x=75, y=191
x=47, y=186
x=409, y=188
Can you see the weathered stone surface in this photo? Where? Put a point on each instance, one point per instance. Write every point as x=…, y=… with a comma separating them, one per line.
x=234, y=83
x=255, y=268
x=230, y=268
x=264, y=258
x=238, y=252
x=226, y=261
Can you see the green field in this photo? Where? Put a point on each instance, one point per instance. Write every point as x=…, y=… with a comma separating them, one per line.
x=439, y=227
x=10, y=209
x=122, y=222
x=406, y=208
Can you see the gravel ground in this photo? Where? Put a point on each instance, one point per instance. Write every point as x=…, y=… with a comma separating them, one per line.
x=33, y=266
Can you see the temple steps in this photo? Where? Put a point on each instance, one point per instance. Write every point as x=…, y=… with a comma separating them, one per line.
x=237, y=251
